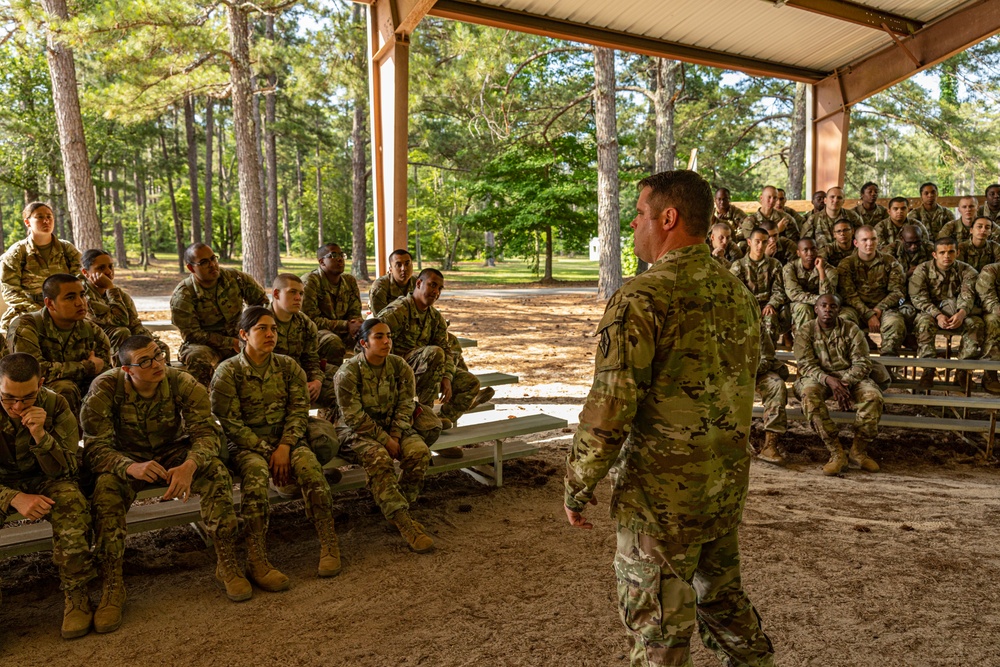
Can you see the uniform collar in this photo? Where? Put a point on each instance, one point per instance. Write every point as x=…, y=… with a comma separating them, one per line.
x=269, y=368
x=692, y=250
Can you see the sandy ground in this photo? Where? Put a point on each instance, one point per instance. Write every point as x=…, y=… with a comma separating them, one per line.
x=897, y=568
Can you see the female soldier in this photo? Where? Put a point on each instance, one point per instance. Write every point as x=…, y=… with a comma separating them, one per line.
x=375, y=392
x=27, y=263
x=262, y=402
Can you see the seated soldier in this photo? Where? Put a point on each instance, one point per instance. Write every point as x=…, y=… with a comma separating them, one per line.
x=333, y=302
x=980, y=249
x=943, y=291
x=398, y=282
x=820, y=225
x=911, y=250
x=806, y=279
x=842, y=246
x=147, y=424
x=960, y=229
x=770, y=384
x=111, y=307
x=781, y=205
x=991, y=208
x=71, y=350
x=868, y=208
x=762, y=276
x=785, y=224
x=818, y=205
x=832, y=358
x=778, y=247
x=206, y=307
x=988, y=290
x=932, y=215
x=723, y=249
x=375, y=391
x=872, y=288
x=890, y=229
x=724, y=211
x=38, y=447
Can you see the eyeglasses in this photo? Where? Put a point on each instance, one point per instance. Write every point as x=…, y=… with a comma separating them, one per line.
x=208, y=260
x=335, y=255
x=10, y=401
x=146, y=363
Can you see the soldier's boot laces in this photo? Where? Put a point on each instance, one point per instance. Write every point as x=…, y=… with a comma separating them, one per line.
x=228, y=573
x=77, y=616
x=770, y=452
x=259, y=568
x=412, y=532
x=329, y=552
x=108, y=616
x=991, y=383
x=859, y=455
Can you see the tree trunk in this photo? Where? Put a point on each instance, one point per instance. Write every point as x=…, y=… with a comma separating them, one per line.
x=608, y=226
x=140, y=202
x=319, y=198
x=121, y=257
x=209, y=131
x=271, y=150
x=298, y=187
x=258, y=120
x=288, y=232
x=224, y=250
x=254, y=240
x=192, y=159
x=488, y=238
x=548, y=254
x=359, y=251
x=797, y=150
x=664, y=107
x=178, y=225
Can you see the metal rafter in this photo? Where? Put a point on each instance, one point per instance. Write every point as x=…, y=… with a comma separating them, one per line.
x=859, y=14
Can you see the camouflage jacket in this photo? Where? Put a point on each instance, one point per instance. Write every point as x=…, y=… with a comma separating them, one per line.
x=372, y=404
x=331, y=306
x=675, y=369
x=260, y=410
x=957, y=230
x=36, y=334
x=986, y=288
x=113, y=309
x=799, y=218
x=733, y=218
x=787, y=250
x=977, y=258
x=984, y=212
x=23, y=270
x=769, y=362
x=211, y=316
x=54, y=457
x=873, y=217
x=791, y=230
x=732, y=253
x=841, y=352
x=834, y=255
x=298, y=338
x=820, y=225
x=929, y=287
x=802, y=286
x=763, y=279
x=385, y=290
x=120, y=427
x=865, y=286
x=934, y=219
x=888, y=233
x=412, y=329
x=907, y=261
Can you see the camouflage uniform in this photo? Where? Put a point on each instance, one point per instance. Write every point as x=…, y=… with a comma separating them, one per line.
x=820, y=226
x=986, y=288
x=984, y=211
x=977, y=258
x=877, y=283
x=834, y=254
x=732, y=253
x=208, y=319
x=910, y=262
x=841, y=352
x=385, y=290
x=422, y=339
x=770, y=384
x=872, y=217
x=790, y=232
x=673, y=404
x=331, y=307
x=932, y=220
x=63, y=355
x=733, y=218
x=23, y=269
x=49, y=468
x=798, y=217
x=787, y=250
x=375, y=405
x=957, y=230
x=933, y=293
x=298, y=338
x=115, y=313
x=803, y=287
x=765, y=281
x=888, y=233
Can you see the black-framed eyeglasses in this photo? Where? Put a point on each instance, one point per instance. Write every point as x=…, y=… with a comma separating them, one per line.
x=214, y=259
x=335, y=255
x=10, y=401
x=146, y=363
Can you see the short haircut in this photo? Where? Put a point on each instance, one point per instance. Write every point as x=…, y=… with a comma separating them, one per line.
x=835, y=297
x=995, y=186
x=90, y=256
x=53, y=284
x=130, y=345
x=720, y=225
x=912, y=228
x=326, y=248
x=192, y=250
x=685, y=191
x=819, y=192
x=805, y=239
x=252, y=315
x=430, y=272
x=944, y=240
x=718, y=190
x=843, y=222
x=758, y=230
x=835, y=187
x=366, y=328
x=933, y=185
x=899, y=200
x=20, y=367
x=767, y=225
x=982, y=217
x=781, y=190
x=867, y=228
x=868, y=185
x=964, y=197
x=400, y=251
x=283, y=280
x=29, y=209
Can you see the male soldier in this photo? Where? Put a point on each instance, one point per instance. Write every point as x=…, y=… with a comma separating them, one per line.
x=987, y=289
x=890, y=229
x=979, y=250
x=806, y=279
x=111, y=307
x=960, y=229
x=398, y=282
x=780, y=205
x=872, y=286
x=820, y=225
x=933, y=216
x=868, y=208
x=832, y=357
x=723, y=249
x=991, y=208
x=725, y=212
x=819, y=205
x=778, y=247
x=762, y=275
x=38, y=447
x=206, y=307
x=679, y=497
x=147, y=424
x=944, y=293
x=911, y=250
x=333, y=302
x=786, y=225
x=70, y=350
x=770, y=384
x=842, y=246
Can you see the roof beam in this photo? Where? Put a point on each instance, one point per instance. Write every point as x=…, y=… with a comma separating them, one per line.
x=853, y=12
x=509, y=19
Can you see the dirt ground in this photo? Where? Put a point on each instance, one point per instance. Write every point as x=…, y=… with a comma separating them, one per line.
x=897, y=568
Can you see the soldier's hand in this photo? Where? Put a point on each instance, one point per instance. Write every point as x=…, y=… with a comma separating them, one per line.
x=445, y=390
x=98, y=363
x=957, y=319
x=840, y=392
x=32, y=506
x=33, y=419
x=392, y=446
x=942, y=321
x=769, y=310
x=576, y=518
x=719, y=252
x=179, y=480
x=150, y=471
x=100, y=280
x=314, y=388
x=353, y=327
x=281, y=467
x=875, y=324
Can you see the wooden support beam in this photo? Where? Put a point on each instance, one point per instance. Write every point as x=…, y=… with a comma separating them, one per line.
x=830, y=150
x=859, y=14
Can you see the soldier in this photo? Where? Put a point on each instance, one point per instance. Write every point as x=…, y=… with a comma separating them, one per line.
x=979, y=250
x=819, y=205
x=890, y=229
x=398, y=282
x=944, y=292
x=206, y=307
x=770, y=384
x=333, y=302
x=991, y=208
x=929, y=213
x=146, y=424
x=681, y=430
x=842, y=246
x=820, y=225
x=868, y=208
x=725, y=212
x=961, y=228
x=778, y=247
x=38, y=446
x=723, y=249
x=762, y=275
x=71, y=350
x=987, y=289
x=832, y=358
x=872, y=287
x=806, y=279
x=911, y=250
x=28, y=262
x=781, y=206
x=111, y=307
x=786, y=225
x=375, y=391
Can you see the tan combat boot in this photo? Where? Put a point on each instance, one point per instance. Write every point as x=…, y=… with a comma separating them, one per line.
x=228, y=573
x=485, y=395
x=991, y=384
x=770, y=453
x=412, y=532
x=259, y=568
x=927, y=379
x=859, y=455
x=838, y=459
x=329, y=552
x=77, y=616
x=108, y=616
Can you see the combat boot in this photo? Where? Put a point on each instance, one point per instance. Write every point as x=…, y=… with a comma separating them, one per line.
x=962, y=378
x=77, y=616
x=411, y=531
x=485, y=395
x=329, y=552
x=991, y=384
x=859, y=455
x=259, y=568
x=446, y=423
x=108, y=616
x=228, y=573
x=927, y=379
x=770, y=453
x=838, y=459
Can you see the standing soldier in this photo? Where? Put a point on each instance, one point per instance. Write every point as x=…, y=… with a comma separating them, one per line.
x=842, y=246
x=786, y=225
x=960, y=229
x=891, y=229
x=725, y=212
x=991, y=208
x=723, y=249
x=38, y=446
x=674, y=403
x=979, y=249
x=27, y=263
x=398, y=282
x=868, y=208
x=146, y=424
x=762, y=275
x=206, y=307
x=989, y=295
x=333, y=302
x=833, y=362
x=806, y=279
x=820, y=225
x=932, y=215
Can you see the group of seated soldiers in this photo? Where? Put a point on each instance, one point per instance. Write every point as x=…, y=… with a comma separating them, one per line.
x=827, y=278
x=78, y=359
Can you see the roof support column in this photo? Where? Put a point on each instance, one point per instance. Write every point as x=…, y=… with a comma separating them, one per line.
x=831, y=122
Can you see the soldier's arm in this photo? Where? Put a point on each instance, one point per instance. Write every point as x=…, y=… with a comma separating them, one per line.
x=792, y=232
x=986, y=288
x=250, y=290
x=134, y=323
x=199, y=425
x=227, y=409
x=184, y=317
x=829, y=286
x=967, y=294
x=309, y=359
x=861, y=363
x=849, y=292
x=348, y=389
x=297, y=406
x=378, y=297
x=793, y=289
x=806, y=360
x=402, y=418
x=897, y=287
x=23, y=337
x=96, y=417
x=56, y=453
x=310, y=304
x=10, y=283
x=102, y=346
x=778, y=296
x=920, y=295
x=73, y=258
x=439, y=337
x=354, y=298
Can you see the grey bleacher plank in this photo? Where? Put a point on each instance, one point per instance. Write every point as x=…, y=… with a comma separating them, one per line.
x=952, y=364
x=971, y=402
x=899, y=421
x=496, y=379
x=497, y=430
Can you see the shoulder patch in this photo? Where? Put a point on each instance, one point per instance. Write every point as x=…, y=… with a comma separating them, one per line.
x=611, y=334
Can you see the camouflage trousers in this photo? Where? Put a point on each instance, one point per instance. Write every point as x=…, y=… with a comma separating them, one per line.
x=201, y=360
x=255, y=472
x=971, y=330
x=72, y=390
x=70, y=519
x=456, y=351
x=992, y=346
x=867, y=399
x=327, y=391
x=774, y=396
x=117, y=336
x=892, y=326
x=775, y=325
x=332, y=347
x=113, y=496
x=390, y=493
x=802, y=314
x=428, y=367
x=666, y=588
